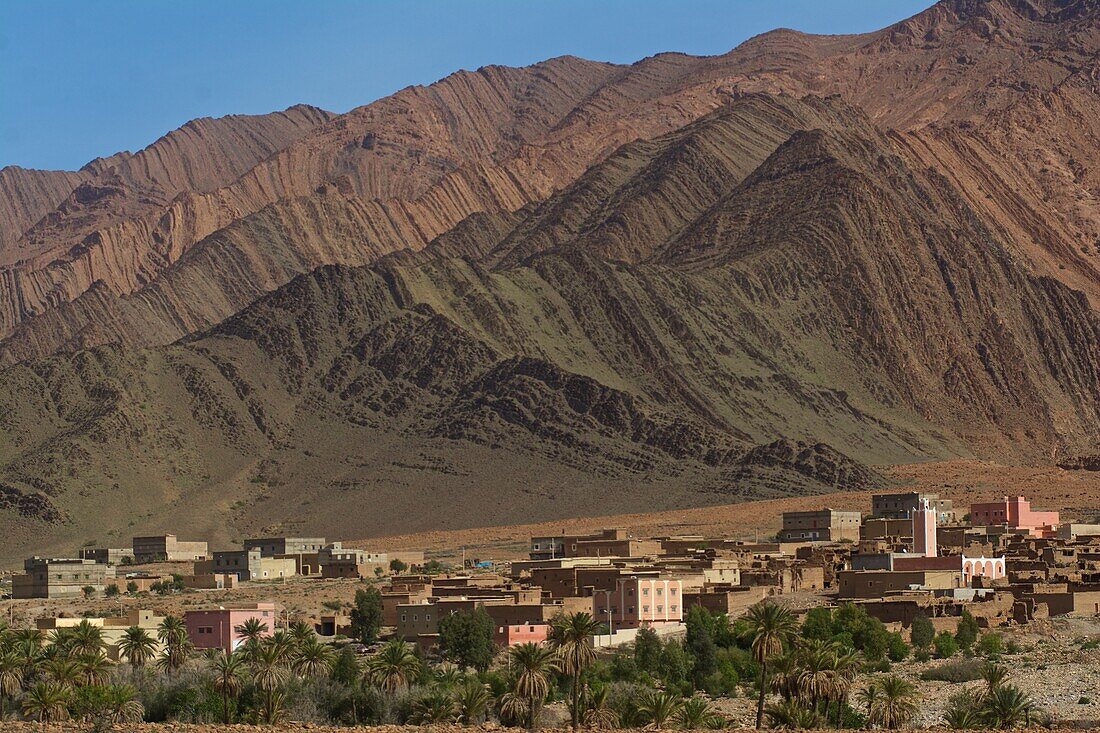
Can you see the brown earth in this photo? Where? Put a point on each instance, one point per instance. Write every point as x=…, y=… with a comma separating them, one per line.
x=565, y=290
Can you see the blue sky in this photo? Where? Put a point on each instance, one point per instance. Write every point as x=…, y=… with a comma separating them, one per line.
x=84, y=79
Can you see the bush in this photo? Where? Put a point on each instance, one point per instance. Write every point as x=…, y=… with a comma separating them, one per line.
x=967, y=632
x=647, y=650
x=991, y=645
x=955, y=671
x=922, y=632
x=111, y=591
x=922, y=655
x=945, y=645
x=896, y=648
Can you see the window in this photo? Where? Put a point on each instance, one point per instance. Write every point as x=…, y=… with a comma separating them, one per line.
x=672, y=591
x=660, y=591
x=672, y=608
x=660, y=609
x=427, y=617
x=645, y=591
x=645, y=609
x=404, y=617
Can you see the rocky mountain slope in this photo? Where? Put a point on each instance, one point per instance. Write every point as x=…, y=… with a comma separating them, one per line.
x=570, y=288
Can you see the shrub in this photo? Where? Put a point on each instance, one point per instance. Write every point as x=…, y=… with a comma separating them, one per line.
x=896, y=648
x=967, y=632
x=991, y=645
x=922, y=655
x=922, y=632
x=945, y=645
x=955, y=671
x=111, y=591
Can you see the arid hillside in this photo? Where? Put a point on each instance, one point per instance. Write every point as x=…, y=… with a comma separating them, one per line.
x=570, y=289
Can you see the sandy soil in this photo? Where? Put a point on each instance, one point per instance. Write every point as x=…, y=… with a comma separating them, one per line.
x=1076, y=493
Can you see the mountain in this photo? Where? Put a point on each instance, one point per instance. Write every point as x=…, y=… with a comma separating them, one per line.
x=570, y=288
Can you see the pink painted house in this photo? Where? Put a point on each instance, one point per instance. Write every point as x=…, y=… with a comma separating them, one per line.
x=513, y=634
x=1014, y=512
x=216, y=628
x=640, y=602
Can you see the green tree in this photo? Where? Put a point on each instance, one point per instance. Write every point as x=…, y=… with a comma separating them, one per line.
x=346, y=668
x=945, y=645
x=647, y=650
x=466, y=638
x=396, y=566
x=111, y=591
x=771, y=628
x=571, y=638
x=88, y=591
x=366, y=616
x=131, y=587
x=922, y=632
x=991, y=645
x=701, y=646
x=967, y=632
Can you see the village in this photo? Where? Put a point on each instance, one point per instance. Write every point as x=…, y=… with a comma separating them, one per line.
x=910, y=561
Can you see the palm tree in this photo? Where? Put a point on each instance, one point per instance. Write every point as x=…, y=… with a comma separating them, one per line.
x=172, y=633
x=659, y=707
x=227, y=669
x=771, y=627
x=122, y=705
x=137, y=646
x=313, y=658
x=818, y=679
x=473, y=700
x=433, y=708
x=868, y=697
x=269, y=673
x=85, y=639
x=65, y=672
x=272, y=711
x=847, y=666
x=302, y=632
x=513, y=709
x=393, y=666
x=47, y=702
x=94, y=668
x=448, y=677
x=895, y=702
x=571, y=638
x=1007, y=706
x=695, y=713
x=792, y=715
x=251, y=631
x=11, y=677
x=994, y=675
x=532, y=665
x=599, y=714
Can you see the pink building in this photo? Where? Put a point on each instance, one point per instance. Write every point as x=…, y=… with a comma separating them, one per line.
x=637, y=602
x=1015, y=512
x=924, y=530
x=216, y=628
x=513, y=634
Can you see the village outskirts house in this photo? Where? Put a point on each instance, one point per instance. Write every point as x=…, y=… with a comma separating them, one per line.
x=821, y=525
x=60, y=578
x=167, y=548
x=251, y=565
x=112, y=628
x=216, y=628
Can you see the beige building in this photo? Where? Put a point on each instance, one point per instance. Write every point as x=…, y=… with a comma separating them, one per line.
x=113, y=628
x=878, y=583
x=60, y=578
x=166, y=548
x=822, y=525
